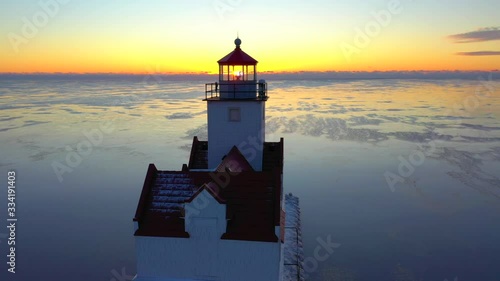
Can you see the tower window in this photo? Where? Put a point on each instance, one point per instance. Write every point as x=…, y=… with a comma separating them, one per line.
x=234, y=114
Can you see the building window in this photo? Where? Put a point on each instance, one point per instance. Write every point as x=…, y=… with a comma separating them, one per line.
x=234, y=114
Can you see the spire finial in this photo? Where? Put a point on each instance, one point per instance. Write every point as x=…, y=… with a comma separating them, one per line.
x=237, y=42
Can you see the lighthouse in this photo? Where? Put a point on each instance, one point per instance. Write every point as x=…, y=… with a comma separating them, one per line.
x=221, y=216
x=236, y=109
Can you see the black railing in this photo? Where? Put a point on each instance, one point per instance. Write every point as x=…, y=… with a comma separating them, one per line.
x=231, y=90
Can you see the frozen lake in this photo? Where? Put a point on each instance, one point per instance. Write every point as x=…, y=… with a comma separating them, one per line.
x=403, y=174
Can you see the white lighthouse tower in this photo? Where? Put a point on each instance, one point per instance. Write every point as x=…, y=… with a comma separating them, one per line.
x=221, y=217
x=236, y=109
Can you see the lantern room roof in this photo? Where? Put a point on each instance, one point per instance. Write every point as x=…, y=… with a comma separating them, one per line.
x=237, y=57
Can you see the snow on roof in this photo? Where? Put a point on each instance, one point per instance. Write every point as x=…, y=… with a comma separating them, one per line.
x=252, y=198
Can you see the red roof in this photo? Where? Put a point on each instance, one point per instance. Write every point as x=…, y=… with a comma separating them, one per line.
x=234, y=162
x=252, y=199
x=211, y=188
x=272, y=155
x=198, y=158
x=237, y=57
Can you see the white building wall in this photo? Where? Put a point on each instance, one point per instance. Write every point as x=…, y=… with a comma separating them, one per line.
x=248, y=134
x=171, y=259
x=204, y=256
x=205, y=207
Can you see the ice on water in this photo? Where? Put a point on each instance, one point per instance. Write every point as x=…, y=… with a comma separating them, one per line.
x=341, y=136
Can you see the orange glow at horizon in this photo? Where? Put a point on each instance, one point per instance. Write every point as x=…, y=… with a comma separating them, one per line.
x=161, y=38
x=50, y=62
x=99, y=58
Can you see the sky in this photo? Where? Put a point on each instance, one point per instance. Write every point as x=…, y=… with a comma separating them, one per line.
x=167, y=36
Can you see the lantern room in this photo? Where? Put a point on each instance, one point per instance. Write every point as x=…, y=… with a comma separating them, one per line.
x=237, y=66
x=237, y=77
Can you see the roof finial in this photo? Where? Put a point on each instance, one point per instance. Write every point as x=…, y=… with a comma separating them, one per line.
x=237, y=42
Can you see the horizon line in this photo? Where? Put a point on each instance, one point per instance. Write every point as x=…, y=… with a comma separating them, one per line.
x=422, y=71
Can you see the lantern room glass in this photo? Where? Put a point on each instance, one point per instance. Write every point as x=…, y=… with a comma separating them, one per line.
x=237, y=73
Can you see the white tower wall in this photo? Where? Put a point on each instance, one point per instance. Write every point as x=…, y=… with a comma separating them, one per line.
x=247, y=134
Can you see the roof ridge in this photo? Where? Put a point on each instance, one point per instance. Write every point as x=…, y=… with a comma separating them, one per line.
x=234, y=161
x=212, y=189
